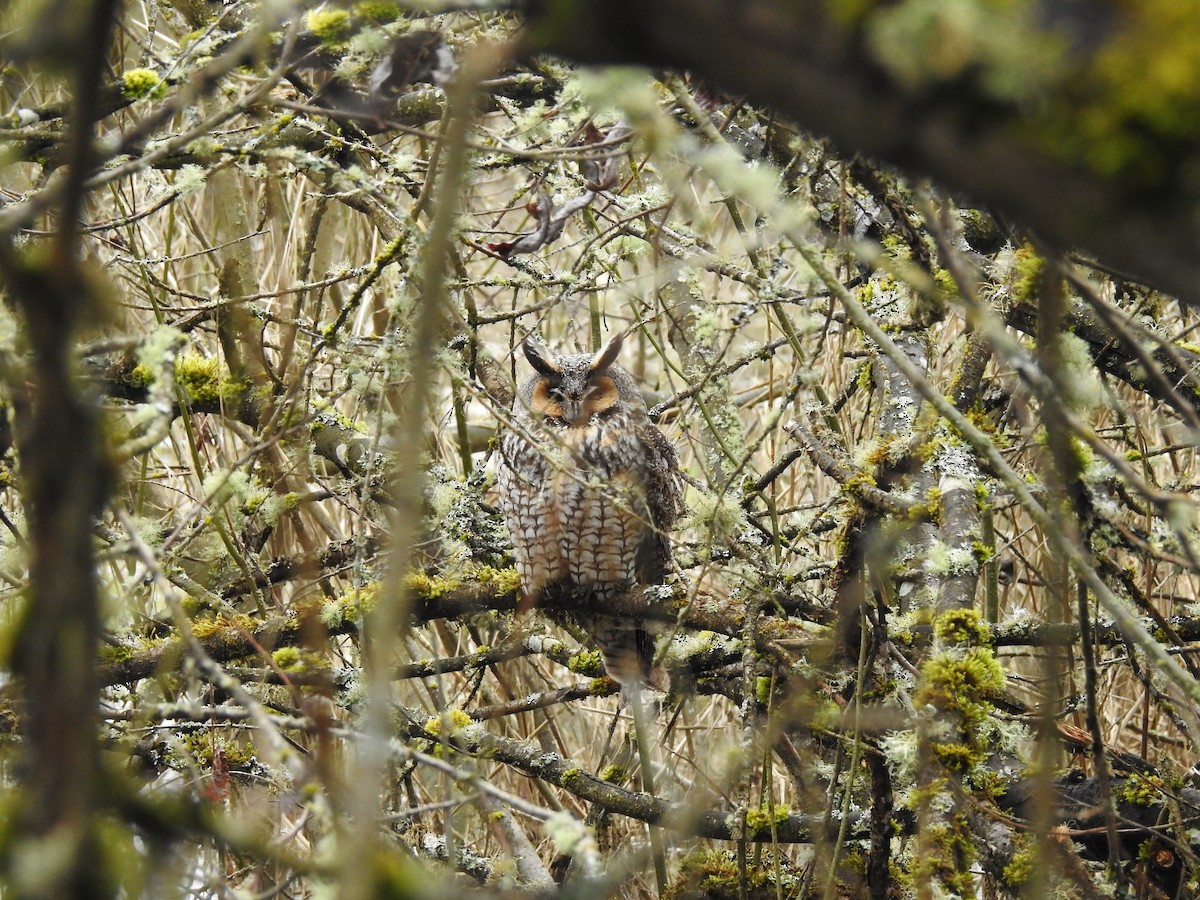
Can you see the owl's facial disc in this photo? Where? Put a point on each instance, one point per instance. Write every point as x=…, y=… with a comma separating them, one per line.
x=575, y=408
x=599, y=396
x=547, y=400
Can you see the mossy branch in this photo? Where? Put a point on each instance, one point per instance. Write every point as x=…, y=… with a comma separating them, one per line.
x=682, y=818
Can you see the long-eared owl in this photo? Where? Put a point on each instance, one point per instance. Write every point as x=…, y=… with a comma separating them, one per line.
x=589, y=488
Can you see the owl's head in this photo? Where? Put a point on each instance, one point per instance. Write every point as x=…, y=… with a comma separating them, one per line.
x=575, y=390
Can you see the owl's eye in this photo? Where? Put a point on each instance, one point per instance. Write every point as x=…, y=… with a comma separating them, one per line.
x=555, y=394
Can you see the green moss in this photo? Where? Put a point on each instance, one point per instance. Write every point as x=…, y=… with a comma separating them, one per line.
x=339, y=418
x=896, y=246
x=294, y=661
x=762, y=690
x=211, y=627
x=983, y=552
x=981, y=231
x=571, y=774
x=1143, y=790
x=716, y=875
x=367, y=597
x=1029, y=269
x=945, y=282
x=286, y=657
x=933, y=509
x=1020, y=868
x=587, y=662
x=962, y=626
x=355, y=602
x=855, y=483
x=378, y=11
x=505, y=581
x=948, y=858
x=330, y=26
x=140, y=376
x=430, y=587
x=114, y=653
x=200, y=745
x=139, y=84
x=864, y=377
x=959, y=757
x=762, y=819
x=614, y=774
x=1085, y=456
x=455, y=718
x=206, y=382
x=962, y=682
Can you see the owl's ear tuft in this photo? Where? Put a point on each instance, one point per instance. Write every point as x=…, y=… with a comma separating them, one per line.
x=607, y=355
x=539, y=356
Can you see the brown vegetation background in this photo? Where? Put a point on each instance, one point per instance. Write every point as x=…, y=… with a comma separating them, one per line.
x=910, y=288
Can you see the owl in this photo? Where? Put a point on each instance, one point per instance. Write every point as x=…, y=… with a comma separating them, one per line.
x=590, y=489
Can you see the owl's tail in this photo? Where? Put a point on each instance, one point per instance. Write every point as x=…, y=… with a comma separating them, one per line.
x=628, y=651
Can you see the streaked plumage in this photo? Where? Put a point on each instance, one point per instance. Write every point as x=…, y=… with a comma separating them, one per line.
x=589, y=488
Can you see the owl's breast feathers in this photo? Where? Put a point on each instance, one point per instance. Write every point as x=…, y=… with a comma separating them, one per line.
x=590, y=506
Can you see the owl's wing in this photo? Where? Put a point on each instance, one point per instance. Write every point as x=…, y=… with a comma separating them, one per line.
x=664, y=490
x=664, y=498
x=521, y=481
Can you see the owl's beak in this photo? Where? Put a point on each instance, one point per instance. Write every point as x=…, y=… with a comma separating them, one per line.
x=573, y=411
